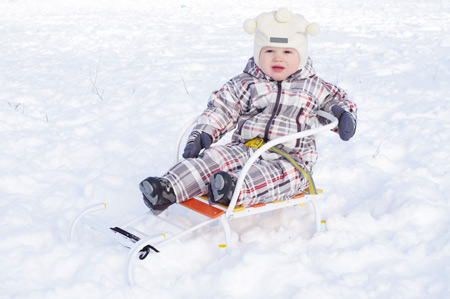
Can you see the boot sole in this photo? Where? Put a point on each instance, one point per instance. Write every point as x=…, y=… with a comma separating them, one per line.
x=218, y=183
x=147, y=189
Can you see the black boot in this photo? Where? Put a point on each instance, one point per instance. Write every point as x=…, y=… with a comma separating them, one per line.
x=158, y=193
x=221, y=187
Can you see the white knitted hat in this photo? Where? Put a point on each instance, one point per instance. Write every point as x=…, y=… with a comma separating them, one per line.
x=281, y=29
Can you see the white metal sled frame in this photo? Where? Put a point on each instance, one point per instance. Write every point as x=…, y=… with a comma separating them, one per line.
x=141, y=244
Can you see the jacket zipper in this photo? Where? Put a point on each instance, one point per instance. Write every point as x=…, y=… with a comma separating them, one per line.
x=274, y=112
x=299, y=126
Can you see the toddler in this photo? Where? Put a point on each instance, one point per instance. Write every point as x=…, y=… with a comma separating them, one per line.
x=277, y=94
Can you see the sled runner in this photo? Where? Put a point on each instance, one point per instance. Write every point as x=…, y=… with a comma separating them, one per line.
x=141, y=243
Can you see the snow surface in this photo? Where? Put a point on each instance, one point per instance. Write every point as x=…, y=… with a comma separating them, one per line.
x=93, y=93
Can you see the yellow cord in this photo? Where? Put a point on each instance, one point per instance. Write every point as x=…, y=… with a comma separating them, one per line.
x=258, y=142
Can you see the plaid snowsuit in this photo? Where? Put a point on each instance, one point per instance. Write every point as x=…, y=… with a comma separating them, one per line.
x=257, y=106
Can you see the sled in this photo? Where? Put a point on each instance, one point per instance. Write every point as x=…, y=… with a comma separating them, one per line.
x=142, y=243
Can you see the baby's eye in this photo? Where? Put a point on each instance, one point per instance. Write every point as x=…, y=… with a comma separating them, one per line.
x=287, y=52
x=269, y=51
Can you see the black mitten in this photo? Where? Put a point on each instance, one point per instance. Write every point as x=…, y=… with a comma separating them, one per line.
x=346, y=125
x=199, y=142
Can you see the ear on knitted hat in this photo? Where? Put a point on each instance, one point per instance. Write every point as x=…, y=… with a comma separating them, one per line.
x=282, y=29
x=250, y=26
x=313, y=29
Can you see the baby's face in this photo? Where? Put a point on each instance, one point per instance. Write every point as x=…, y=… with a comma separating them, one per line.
x=279, y=63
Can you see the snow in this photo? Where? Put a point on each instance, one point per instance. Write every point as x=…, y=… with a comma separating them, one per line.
x=93, y=93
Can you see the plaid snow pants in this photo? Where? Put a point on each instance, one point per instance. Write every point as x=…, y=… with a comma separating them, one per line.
x=267, y=180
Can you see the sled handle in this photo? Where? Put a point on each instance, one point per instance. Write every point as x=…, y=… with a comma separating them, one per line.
x=333, y=123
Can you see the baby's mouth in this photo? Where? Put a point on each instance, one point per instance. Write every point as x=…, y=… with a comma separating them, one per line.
x=277, y=68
